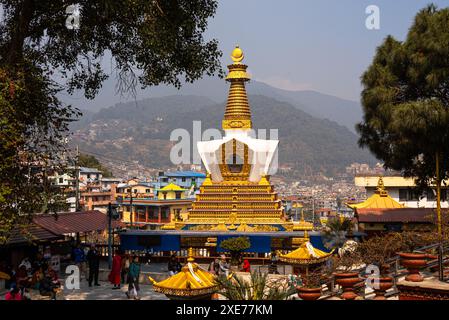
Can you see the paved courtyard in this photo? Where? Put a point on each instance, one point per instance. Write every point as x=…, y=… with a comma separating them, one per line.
x=105, y=292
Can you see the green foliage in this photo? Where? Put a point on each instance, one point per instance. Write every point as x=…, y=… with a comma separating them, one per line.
x=406, y=99
x=236, y=244
x=335, y=231
x=90, y=161
x=149, y=42
x=259, y=287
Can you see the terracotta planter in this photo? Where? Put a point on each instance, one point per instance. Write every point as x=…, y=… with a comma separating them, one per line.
x=414, y=262
x=347, y=281
x=385, y=283
x=308, y=294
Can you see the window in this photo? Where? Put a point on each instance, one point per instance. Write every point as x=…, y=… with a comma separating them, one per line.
x=431, y=195
x=178, y=195
x=403, y=194
x=147, y=190
x=61, y=180
x=408, y=195
x=183, y=179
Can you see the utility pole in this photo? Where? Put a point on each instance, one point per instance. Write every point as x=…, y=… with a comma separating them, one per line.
x=77, y=181
x=110, y=235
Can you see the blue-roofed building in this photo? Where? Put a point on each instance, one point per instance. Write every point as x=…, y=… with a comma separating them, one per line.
x=184, y=179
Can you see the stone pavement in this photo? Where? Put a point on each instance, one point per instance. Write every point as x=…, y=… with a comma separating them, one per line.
x=105, y=292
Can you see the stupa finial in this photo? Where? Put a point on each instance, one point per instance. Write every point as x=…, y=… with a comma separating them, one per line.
x=237, y=114
x=190, y=255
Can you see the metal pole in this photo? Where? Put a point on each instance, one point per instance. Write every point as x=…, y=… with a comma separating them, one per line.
x=440, y=228
x=110, y=235
x=438, y=185
x=77, y=180
x=131, y=209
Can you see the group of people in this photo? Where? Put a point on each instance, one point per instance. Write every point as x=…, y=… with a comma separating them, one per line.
x=37, y=275
x=126, y=269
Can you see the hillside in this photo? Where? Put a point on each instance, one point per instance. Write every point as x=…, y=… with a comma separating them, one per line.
x=344, y=112
x=141, y=131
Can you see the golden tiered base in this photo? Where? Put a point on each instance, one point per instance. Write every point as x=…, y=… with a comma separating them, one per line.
x=235, y=206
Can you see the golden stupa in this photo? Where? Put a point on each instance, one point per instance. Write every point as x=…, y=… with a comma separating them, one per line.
x=237, y=193
x=306, y=254
x=192, y=282
x=379, y=200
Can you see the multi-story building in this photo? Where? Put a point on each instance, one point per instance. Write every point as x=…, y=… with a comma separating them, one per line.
x=184, y=179
x=403, y=190
x=152, y=210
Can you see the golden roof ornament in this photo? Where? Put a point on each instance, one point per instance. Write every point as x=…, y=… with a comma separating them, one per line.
x=237, y=114
x=191, y=282
x=306, y=254
x=380, y=189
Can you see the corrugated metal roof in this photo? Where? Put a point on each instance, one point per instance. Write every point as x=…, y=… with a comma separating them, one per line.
x=73, y=222
x=30, y=233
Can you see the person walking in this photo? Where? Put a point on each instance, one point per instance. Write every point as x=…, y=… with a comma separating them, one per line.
x=114, y=275
x=133, y=279
x=80, y=259
x=93, y=259
x=125, y=268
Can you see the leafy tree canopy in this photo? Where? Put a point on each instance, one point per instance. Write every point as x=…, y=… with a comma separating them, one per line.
x=149, y=43
x=90, y=161
x=406, y=99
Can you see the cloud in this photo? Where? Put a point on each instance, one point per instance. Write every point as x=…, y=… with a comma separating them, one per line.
x=286, y=84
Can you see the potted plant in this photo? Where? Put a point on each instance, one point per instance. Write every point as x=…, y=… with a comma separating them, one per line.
x=309, y=286
x=410, y=257
x=257, y=287
x=346, y=274
x=235, y=246
x=376, y=251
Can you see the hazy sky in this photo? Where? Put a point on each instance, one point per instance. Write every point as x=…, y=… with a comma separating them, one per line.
x=320, y=45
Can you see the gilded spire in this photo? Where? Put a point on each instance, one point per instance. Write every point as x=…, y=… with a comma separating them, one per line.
x=380, y=189
x=190, y=255
x=238, y=113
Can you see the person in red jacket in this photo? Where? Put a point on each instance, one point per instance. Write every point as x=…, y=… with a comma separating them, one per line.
x=246, y=266
x=13, y=294
x=114, y=276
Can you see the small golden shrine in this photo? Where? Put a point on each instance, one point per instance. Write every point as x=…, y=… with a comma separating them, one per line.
x=236, y=194
x=306, y=254
x=379, y=200
x=192, y=282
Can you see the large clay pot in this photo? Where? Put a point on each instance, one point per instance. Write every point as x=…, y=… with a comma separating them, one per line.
x=308, y=294
x=347, y=280
x=385, y=283
x=414, y=262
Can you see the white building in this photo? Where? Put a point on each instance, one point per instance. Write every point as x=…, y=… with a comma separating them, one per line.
x=403, y=190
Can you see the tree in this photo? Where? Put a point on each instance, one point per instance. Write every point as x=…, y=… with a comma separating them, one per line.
x=149, y=42
x=406, y=101
x=90, y=161
x=236, y=246
x=335, y=232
